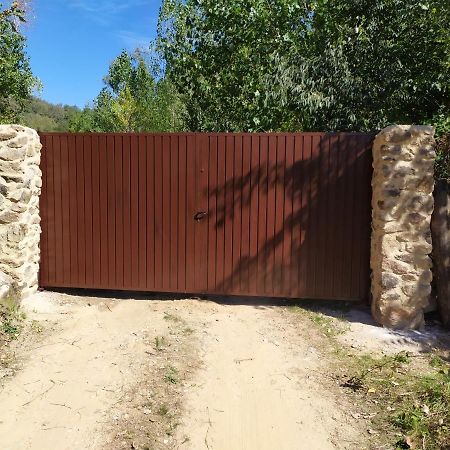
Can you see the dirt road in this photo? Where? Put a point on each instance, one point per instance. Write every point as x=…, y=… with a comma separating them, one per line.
x=183, y=374
x=260, y=387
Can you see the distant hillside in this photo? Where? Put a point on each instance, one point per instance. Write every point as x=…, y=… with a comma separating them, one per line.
x=45, y=116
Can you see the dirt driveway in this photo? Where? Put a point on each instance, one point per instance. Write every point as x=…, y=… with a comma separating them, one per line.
x=184, y=374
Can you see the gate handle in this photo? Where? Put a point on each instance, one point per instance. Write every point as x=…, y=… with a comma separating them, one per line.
x=200, y=215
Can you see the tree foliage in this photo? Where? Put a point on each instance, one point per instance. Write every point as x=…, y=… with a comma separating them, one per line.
x=132, y=100
x=321, y=64
x=370, y=63
x=45, y=116
x=219, y=53
x=16, y=78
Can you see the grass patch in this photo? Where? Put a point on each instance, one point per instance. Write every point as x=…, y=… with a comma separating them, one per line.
x=413, y=400
x=406, y=397
x=11, y=319
x=329, y=326
x=160, y=343
x=163, y=410
x=424, y=416
x=11, y=326
x=171, y=429
x=171, y=375
x=172, y=317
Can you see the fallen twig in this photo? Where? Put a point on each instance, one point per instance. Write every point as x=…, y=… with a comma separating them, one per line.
x=238, y=361
x=41, y=394
x=62, y=405
x=207, y=431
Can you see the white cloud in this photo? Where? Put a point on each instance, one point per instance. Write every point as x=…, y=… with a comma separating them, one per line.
x=133, y=40
x=103, y=11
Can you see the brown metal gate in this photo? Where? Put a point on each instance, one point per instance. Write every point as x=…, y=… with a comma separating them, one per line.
x=284, y=215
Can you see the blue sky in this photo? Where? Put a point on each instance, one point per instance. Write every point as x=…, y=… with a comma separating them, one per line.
x=72, y=42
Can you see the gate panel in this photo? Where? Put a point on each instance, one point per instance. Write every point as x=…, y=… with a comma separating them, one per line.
x=284, y=215
x=288, y=215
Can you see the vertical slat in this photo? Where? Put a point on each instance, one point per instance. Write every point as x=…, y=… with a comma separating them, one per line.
x=150, y=212
x=346, y=168
x=90, y=280
x=237, y=214
x=159, y=209
x=182, y=216
x=354, y=253
x=358, y=215
x=323, y=260
x=111, y=195
x=365, y=220
x=254, y=182
x=263, y=248
x=119, y=207
x=142, y=212
x=165, y=212
x=201, y=226
x=43, y=207
x=245, y=215
x=219, y=220
x=311, y=237
x=80, y=211
x=279, y=215
x=338, y=212
x=174, y=208
x=319, y=203
x=64, y=168
x=271, y=213
x=212, y=214
x=127, y=214
x=96, y=221
x=328, y=263
x=103, y=230
x=306, y=263
x=228, y=214
x=298, y=270
x=51, y=251
x=190, y=211
x=127, y=256
x=72, y=206
x=134, y=210
x=287, y=284
x=59, y=269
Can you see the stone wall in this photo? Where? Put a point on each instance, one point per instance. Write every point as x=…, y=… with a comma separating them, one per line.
x=20, y=186
x=401, y=241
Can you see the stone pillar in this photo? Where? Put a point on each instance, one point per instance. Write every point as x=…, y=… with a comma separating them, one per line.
x=20, y=186
x=402, y=205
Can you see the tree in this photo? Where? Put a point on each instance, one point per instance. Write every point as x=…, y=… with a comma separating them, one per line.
x=219, y=54
x=16, y=78
x=45, y=116
x=370, y=63
x=132, y=100
x=319, y=64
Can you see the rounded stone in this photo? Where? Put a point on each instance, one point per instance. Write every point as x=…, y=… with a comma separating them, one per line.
x=9, y=216
x=396, y=267
x=409, y=277
x=425, y=184
x=395, y=192
x=398, y=135
x=7, y=133
x=415, y=218
x=389, y=281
